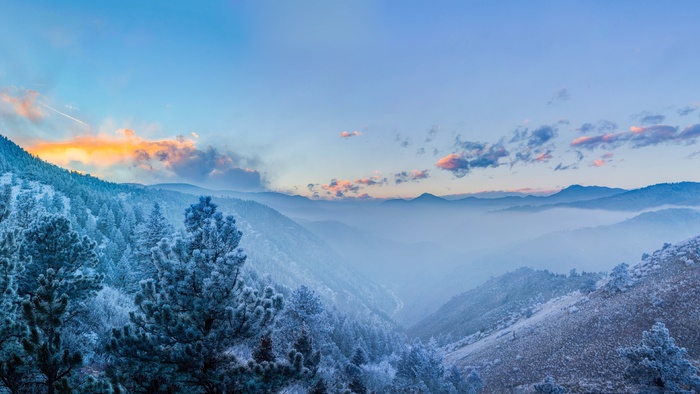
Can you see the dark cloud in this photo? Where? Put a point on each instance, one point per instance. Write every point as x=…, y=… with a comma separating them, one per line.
x=652, y=119
x=603, y=126
x=561, y=96
x=586, y=128
x=432, y=133
x=562, y=167
x=420, y=151
x=209, y=167
x=689, y=133
x=404, y=142
x=639, y=136
x=473, y=155
x=410, y=176
x=686, y=111
x=533, y=146
x=541, y=136
x=372, y=181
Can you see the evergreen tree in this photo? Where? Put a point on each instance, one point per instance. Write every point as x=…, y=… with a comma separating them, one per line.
x=5, y=202
x=148, y=235
x=304, y=346
x=417, y=370
x=472, y=385
x=264, y=352
x=620, y=279
x=657, y=363
x=199, y=308
x=12, y=372
x=59, y=276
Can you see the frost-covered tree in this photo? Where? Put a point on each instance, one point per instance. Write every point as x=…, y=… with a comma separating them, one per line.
x=147, y=236
x=27, y=208
x=659, y=365
x=549, y=386
x=5, y=202
x=12, y=371
x=420, y=370
x=188, y=320
x=588, y=285
x=473, y=384
x=59, y=277
x=620, y=279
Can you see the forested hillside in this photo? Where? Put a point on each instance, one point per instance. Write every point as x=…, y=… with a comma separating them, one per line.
x=101, y=295
x=112, y=214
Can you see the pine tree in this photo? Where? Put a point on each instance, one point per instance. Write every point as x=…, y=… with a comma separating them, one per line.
x=13, y=374
x=59, y=277
x=304, y=345
x=620, y=279
x=148, y=235
x=264, y=352
x=198, y=309
x=421, y=369
x=5, y=202
x=658, y=363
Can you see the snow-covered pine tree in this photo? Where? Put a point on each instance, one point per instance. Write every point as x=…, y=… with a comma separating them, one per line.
x=620, y=279
x=147, y=237
x=187, y=322
x=12, y=373
x=657, y=363
x=58, y=278
x=5, y=202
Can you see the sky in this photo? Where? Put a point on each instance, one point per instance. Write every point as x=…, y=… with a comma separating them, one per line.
x=357, y=99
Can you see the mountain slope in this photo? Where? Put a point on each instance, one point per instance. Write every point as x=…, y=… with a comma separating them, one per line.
x=277, y=246
x=573, y=193
x=575, y=338
x=482, y=308
x=589, y=249
x=662, y=194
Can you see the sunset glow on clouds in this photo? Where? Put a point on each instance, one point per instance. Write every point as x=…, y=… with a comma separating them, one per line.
x=25, y=105
x=444, y=119
x=346, y=134
x=171, y=158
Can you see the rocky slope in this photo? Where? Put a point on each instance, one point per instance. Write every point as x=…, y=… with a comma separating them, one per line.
x=575, y=338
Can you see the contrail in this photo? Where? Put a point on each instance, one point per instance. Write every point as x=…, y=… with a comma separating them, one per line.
x=66, y=115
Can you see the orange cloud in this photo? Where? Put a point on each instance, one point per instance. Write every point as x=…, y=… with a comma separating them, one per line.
x=26, y=105
x=346, y=134
x=105, y=150
x=598, y=163
x=373, y=181
x=340, y=187
x=452, y=161
x=159, y=158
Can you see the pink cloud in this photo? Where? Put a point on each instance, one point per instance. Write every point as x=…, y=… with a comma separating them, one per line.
x=452, y=162
x=346, y=134
x=25, y=105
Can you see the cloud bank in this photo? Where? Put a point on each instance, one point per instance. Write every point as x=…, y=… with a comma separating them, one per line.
x=167, y=159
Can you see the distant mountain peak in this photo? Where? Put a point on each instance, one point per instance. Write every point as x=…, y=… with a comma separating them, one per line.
x=428, y=197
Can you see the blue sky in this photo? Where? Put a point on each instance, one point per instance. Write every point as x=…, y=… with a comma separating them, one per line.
x=439, y=97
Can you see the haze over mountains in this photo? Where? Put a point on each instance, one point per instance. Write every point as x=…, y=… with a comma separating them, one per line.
x=462, y=271
x=428, y=249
